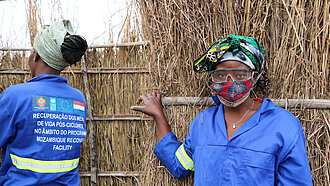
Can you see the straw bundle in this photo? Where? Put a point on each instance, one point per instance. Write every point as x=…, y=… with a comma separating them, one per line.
x=118, y=143
x=33, y=17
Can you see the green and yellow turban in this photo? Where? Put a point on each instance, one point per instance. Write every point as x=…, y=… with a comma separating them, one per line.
x=243, y=49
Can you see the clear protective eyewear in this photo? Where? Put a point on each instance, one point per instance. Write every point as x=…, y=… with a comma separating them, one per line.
x=236, y=74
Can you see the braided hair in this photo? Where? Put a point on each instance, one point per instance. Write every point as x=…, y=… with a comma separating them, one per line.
x=73, y=48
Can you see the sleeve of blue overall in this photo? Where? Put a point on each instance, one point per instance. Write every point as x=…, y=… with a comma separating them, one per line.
x=177, y=157
x=7, y=130
x=294, y=167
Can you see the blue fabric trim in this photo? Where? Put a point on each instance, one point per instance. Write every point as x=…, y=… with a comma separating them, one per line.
x=216, y=100
x=165, y=152
x=49, y=77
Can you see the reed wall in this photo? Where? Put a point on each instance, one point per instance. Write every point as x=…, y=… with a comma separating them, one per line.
x=295, y=36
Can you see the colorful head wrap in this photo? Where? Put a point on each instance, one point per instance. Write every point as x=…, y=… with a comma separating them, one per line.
x=243, y=49
x=48, y=43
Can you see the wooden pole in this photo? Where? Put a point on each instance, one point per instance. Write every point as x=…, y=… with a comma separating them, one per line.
x=139, y=43
x=111, y=45
x=285, y=103
x=91, y=135
x=122, y=117
x=123, y=70
x=113, y=173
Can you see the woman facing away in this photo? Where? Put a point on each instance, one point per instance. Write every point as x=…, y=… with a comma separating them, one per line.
x=241, y=141
x=42, y=121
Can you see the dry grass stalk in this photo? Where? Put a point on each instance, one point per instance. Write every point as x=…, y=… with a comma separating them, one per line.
x=33, y=17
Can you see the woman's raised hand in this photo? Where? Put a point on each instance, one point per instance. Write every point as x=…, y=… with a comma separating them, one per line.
x=153, y=104
x=153, y=107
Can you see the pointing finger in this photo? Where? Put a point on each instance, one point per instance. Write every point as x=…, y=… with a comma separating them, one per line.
x=138, y=108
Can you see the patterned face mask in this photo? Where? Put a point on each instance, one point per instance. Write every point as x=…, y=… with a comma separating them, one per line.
x=233, y=93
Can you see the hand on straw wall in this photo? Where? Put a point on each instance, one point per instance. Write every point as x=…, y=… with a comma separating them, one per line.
x=153, y=104
x=153, y=107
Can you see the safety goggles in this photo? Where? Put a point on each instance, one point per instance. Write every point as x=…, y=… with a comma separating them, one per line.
x=236, y=74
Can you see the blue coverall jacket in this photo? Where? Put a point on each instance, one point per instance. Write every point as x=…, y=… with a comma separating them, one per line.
x=268, y=149
x=42, y=126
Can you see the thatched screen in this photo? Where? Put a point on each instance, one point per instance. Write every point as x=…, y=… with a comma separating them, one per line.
x=295, y=35
x=116, y=77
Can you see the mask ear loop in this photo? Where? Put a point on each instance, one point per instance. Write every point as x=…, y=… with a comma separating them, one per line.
x=261, y=71
x=255, y=82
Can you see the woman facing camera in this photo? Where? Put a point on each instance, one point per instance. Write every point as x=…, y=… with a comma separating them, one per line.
x=42, y=121
x=241, y=141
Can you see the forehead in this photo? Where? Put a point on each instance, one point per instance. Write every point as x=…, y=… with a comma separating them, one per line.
x=231, y=64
